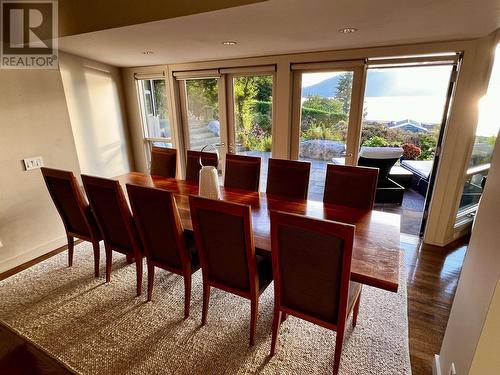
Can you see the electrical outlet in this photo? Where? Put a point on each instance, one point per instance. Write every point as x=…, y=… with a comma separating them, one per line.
x=33, y=163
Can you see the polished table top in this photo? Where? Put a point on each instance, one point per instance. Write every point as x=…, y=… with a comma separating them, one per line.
x=376, y=248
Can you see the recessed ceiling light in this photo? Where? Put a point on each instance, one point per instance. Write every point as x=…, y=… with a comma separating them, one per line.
x=229, y=43
x=147, y=52
x=348, y=30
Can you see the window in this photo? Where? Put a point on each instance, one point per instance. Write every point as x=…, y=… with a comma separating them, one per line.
x=486, y=136
x=156, y=127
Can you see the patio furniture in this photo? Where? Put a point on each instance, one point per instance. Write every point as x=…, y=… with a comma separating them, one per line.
x=421, y=170
x=383, y=158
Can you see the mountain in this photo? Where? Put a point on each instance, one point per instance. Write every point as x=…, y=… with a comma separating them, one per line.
x=378, y=83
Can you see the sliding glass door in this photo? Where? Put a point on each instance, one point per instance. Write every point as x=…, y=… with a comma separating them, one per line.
x=200, y=112
x=326, y=117
x=250, y=116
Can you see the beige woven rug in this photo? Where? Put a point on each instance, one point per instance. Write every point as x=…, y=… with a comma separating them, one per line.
x=98, y=328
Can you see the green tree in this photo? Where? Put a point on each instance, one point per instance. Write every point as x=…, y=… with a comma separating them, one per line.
x=344, y=89
x=323, y=104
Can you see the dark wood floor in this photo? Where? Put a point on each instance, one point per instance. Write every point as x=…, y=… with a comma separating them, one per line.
x=432, y=280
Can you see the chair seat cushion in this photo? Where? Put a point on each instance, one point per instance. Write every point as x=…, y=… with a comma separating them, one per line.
x=265, y=271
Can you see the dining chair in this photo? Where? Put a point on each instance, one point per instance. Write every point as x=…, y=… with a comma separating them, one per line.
x=223, y=233
x=193, y=165
x=163, y=162
x=242, y=172
x=311, y=269
x=115, y=222
x=350, y=186
x=288, y=178
x=163, y=240
x=74, y=211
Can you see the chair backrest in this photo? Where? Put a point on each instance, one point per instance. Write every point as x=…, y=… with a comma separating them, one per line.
x=350, y=186
x=69, y=201
x=112, y=213
x=163, y=162
x=193, y=165
x=382, y=158
x=311, y=266
x=288, y=178
x=223, y=233
x=159, y=226
x=242, y=172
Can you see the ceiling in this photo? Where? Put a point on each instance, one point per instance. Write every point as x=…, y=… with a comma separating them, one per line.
x=285, y=26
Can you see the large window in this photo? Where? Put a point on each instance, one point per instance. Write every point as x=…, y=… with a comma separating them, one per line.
x=486, y=136
x=325, y=118
x=202, y=112
x=156, y=126
x=250, y=131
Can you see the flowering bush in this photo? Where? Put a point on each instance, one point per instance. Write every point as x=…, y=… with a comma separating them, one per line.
x=410, y=151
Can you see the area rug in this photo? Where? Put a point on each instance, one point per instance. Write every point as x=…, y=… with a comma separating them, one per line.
x=98, y=328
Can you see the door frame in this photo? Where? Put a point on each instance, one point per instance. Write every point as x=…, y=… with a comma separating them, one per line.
x=358, y=67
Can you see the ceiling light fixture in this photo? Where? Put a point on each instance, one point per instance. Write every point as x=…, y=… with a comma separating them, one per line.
x=229, y=43
x=147, y=52
x=348, y=30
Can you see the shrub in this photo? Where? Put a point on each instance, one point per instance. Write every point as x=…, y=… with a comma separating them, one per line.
x=376, y=141
x=410, y=151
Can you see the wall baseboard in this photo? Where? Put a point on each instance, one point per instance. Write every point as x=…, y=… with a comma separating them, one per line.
x=12, y=263
x=436, y=367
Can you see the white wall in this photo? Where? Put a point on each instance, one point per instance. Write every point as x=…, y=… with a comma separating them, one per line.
x=95, y=104
x=34, y=121
x=478, y=280
x=486, y=359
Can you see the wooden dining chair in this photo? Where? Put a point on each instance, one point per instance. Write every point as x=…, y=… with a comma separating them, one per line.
x=223, y=233
x=288, y=178
x=163, y=240
x=163, y=162
x=193, y=165
x=312, y=270
x=115, y=222
x=242, y=172
x=350, y=186
x=74, y=210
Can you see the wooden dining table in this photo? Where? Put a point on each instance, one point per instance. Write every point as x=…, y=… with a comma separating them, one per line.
x=376, y=249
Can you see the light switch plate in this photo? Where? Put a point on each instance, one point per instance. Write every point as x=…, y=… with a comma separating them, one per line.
x=33, y=163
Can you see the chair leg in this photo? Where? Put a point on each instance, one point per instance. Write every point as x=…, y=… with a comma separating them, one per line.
x=276, y=327
x=138, y=268
x=339, y=341
x=187, y=295
x=283, y=317
x=254, y=313
x=109, y=261
x=71, y=248
x=130, y=259
x=356, y=311
x=97, y=255
x=151, y=280
x=206, y=298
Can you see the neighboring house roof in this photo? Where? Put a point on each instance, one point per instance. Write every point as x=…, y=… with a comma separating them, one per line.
x=408, y=124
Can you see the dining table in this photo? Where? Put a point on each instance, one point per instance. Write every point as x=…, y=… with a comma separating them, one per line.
x=376, y=248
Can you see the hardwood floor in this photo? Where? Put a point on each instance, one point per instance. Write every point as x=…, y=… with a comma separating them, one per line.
x=17, y=356
x=433, y=274
x=432, y=280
